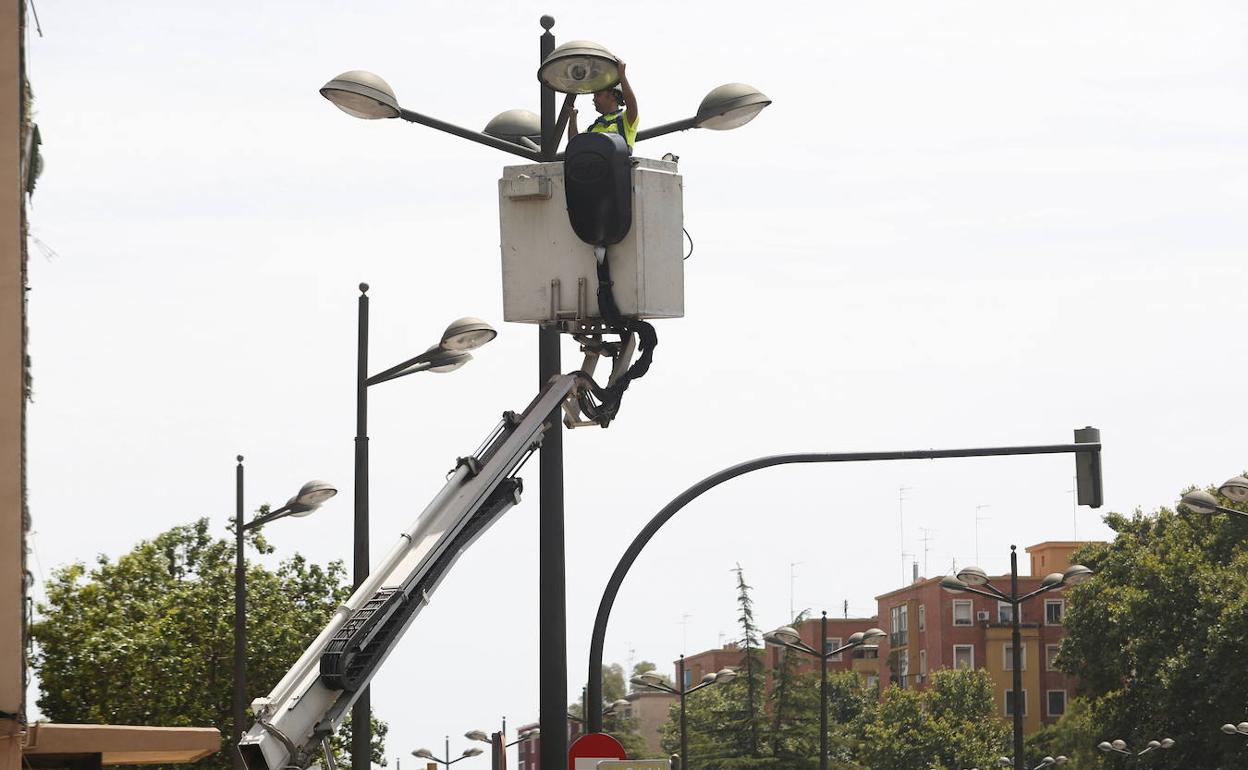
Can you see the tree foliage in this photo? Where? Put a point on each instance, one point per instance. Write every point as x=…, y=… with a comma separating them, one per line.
x=614, y=723
x=1170, y=599
x=950, y=724
x=148, y=639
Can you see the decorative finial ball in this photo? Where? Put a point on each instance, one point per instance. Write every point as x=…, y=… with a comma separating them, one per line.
x=548, y=22
x=363, y=287
x=240, y=458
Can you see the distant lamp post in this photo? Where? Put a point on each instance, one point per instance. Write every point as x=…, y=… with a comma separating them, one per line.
x=1119, y=746
x=423, y=753
x=974, y=580
x=310, y=497
x=1239, y=729
x=655, y=681
x=452, y=352
x=498, y=744
x=787, y=636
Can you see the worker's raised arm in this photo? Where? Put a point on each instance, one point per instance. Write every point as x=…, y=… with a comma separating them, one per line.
x=630, y=98
x=572, y=129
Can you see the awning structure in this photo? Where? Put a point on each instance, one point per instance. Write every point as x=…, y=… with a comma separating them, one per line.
x=52, y=745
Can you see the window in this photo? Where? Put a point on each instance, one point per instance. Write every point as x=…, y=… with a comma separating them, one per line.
x=922, y=618
x=900, y=626
x=962, y=612
x=830, y=644
x=1007, y=657
x=1005, y=613
x=688, y=679
x=1056, y=705
x=964, y=656
x=1054, y=611
x=903, y=667
x=1050, y=656
x=922, y=664
x=1009, y=703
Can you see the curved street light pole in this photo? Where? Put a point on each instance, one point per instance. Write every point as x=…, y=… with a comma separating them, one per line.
x=1089, y=474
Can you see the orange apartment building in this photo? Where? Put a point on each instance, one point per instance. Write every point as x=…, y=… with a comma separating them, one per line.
x=929, y=628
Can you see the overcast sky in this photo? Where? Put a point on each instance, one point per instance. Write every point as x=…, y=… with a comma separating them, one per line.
x=959, y=224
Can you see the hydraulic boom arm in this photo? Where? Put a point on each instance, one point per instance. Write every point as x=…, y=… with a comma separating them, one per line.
x=317, y=692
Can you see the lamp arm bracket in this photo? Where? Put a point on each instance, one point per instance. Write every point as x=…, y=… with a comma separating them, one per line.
x=472, y=136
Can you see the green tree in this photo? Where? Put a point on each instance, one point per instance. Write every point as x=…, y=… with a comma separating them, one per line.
x=950, y=724
x=1170, y=599
x=148, y=639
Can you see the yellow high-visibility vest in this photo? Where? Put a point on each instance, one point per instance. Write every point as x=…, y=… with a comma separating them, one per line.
x=612, y=123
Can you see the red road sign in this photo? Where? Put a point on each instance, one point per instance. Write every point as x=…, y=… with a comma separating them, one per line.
x=587, y=751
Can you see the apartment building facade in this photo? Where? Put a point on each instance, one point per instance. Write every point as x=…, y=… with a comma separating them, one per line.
x=929, y=628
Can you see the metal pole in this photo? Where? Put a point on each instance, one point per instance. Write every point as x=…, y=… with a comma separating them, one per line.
x=1016, y=640
x=684, y=735
x=552, y=611
x=240, y=624
x=361, y=711
x=599, y=635
x=823, y=692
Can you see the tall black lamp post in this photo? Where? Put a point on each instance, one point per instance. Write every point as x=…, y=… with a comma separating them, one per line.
x=973, y=580
x=787, y=636
x=654, y=681
x=309, y=498
x=448, y=355
x=576, y=68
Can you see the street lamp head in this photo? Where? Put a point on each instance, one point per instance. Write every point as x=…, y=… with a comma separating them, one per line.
x=423, y=753
x=362, y=94
x=1118, y=745
x=1051, y=580
x=310, y=497
x=784, y=635
x=1154, y=744
x=952, y=584
x=477, y=735
x=649, y=679
x=708, y=678
x=873, y=633
x=1105, y=746
x=1235, y=489
x=621, y=703
x=1004, y=762
x=1061, y=759
x=579, y=67
x=730, y=106
x=1200, y=501
x=529, y=735
x=449, y=362
x=725, y=675
x=1076, y=574
x=854, y=638
x=1048, y=762
x=973, y=576
x=1242, y=727
x=1229, y=729
x=467, y=333
x=473, y=752
x=514, y=125
x=1165, y=743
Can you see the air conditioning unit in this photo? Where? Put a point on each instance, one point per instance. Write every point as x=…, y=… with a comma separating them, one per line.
x=983, y=615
